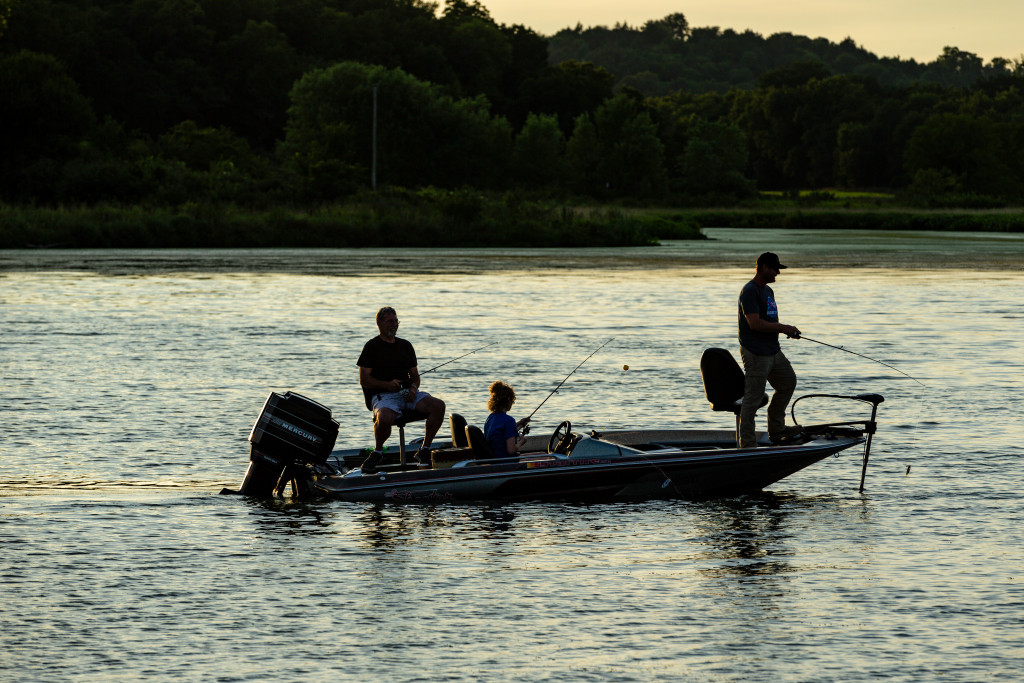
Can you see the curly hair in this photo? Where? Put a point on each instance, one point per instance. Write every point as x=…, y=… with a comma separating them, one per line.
x=502, y=397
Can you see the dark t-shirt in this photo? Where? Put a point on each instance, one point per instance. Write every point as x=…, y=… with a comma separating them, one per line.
x=386, y=361
x=760, y=300
x=498, y=428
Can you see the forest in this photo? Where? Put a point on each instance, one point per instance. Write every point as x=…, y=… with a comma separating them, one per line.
x=302, y=103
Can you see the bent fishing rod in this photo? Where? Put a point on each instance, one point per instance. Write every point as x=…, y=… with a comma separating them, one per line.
x=526, y=428
x=875, y=360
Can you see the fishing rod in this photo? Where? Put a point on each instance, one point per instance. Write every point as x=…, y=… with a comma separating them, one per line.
x=408, y=382
x=875, y=360
x=565, y=380
x=455, y=359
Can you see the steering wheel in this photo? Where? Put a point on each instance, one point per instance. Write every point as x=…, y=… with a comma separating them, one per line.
x=561, y=435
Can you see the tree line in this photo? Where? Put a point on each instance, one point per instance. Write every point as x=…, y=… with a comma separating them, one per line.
x=666, y=55
x=293, y=102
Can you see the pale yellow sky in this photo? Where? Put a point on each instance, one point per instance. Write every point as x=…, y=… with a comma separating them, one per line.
x=917, y=29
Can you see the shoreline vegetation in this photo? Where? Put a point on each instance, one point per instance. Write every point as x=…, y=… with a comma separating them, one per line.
x=394, y=217
x=463, y=219
x=347, y=123
x=439, y=219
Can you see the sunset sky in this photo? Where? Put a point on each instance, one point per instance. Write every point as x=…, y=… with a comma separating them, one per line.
x=917, y=29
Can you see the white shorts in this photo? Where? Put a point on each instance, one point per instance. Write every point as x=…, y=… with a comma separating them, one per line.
x=395, y=402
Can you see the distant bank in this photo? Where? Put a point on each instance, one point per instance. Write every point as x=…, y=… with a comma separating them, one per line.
x=463, y=220
x=963, y=220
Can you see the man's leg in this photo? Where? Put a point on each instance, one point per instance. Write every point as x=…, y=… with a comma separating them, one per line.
x=383, y=419
x=783, y=380
x=755, y=376
x=434, y=408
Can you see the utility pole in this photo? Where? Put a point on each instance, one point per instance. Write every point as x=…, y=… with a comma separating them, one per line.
x=373, y=165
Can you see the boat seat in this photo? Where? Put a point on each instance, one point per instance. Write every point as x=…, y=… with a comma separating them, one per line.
x=724, y=382
x=405, y=418
x=458, y=424
x=477, y=441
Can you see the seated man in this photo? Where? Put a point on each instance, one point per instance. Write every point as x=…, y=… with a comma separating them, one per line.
x=390, y=380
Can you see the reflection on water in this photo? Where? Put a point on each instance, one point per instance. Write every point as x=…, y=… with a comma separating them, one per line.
x=384, y=529
x=286, y=516
x=725, y=247
x=745, y=537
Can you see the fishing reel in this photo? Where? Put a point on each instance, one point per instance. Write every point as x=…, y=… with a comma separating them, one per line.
x=406, y=391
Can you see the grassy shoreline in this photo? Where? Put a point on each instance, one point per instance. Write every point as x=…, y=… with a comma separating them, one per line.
x=943, y=220
x=448, y=220
x=456, y=222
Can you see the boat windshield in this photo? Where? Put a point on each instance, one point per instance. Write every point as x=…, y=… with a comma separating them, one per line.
x=589, y=447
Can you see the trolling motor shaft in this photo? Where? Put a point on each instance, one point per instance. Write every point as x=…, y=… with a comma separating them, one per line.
x=874, y=399
x=870, y=426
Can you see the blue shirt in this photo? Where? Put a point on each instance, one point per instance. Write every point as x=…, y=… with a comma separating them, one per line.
x=497, y=430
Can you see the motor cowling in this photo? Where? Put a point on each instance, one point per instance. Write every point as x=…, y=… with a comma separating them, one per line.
x=291, y=434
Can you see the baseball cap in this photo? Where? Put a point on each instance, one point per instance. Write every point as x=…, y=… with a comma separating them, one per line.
x=769, y=259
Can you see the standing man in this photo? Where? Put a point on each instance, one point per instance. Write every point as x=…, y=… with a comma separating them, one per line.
x=391, y=383
x=763, y=360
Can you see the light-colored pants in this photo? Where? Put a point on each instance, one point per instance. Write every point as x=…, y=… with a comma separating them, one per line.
x=396, y=402
x=758, y=371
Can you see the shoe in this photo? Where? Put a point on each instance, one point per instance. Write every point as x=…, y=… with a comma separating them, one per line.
x=789, y=433
x=788, y=430
x=423, y=460
x=369, y=465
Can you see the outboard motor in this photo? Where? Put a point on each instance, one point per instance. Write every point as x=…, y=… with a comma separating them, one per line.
x=292, y=434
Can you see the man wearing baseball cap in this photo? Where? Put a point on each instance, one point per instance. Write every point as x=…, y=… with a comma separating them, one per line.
x=763, y=360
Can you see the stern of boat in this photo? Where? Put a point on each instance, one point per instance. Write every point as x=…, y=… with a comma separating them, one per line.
x=292, y=437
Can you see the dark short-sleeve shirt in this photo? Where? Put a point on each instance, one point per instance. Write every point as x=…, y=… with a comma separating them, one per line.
x=386, y=361
x=498, y=428
x=758, y=299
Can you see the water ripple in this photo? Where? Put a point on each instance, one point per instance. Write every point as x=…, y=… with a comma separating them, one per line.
x=131, y=380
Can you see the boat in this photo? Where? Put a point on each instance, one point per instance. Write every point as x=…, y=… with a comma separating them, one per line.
x=292, y=446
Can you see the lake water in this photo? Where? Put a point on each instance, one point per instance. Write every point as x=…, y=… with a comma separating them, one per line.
x=131, y=379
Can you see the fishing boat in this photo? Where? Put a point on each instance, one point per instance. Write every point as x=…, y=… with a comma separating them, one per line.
x=292, y=446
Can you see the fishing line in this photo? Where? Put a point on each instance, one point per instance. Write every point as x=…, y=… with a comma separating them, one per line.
x=875, y=360
x=567, y=377
x=668, y=479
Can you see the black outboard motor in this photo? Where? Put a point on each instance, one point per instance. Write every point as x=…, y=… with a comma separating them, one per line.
x=292, y=434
